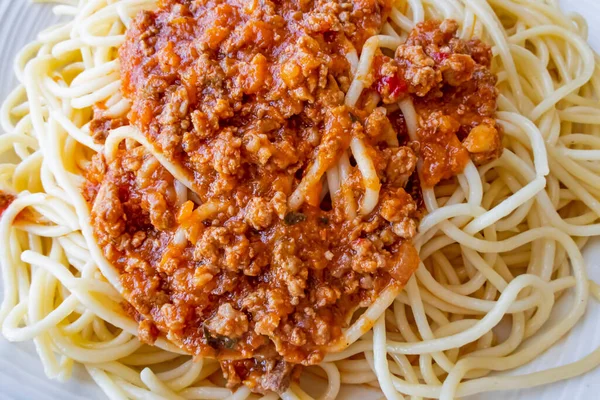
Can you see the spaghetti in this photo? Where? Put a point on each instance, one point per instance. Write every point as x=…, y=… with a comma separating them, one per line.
x=499, y=243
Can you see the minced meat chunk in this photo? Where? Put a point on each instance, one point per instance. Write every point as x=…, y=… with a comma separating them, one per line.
x=228, y=322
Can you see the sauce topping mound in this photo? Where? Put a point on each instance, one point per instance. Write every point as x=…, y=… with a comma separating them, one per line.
x=245, y=97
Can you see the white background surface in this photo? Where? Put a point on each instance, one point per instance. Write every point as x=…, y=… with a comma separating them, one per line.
x=21, y=374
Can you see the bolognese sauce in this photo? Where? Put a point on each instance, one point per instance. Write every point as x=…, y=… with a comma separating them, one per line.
x=454, y=94
x=5, y=201
x=243, y=95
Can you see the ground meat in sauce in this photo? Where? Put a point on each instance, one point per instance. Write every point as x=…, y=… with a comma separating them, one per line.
x=101, y=125
x=454, y=94
x=243, y=96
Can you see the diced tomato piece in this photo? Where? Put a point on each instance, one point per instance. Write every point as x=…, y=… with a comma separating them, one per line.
x=394, y=84
x=438, y=57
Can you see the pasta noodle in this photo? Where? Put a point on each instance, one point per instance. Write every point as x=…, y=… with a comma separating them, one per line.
x=500, y=243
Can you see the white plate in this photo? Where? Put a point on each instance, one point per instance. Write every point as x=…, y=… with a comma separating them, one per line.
x=21, y=374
